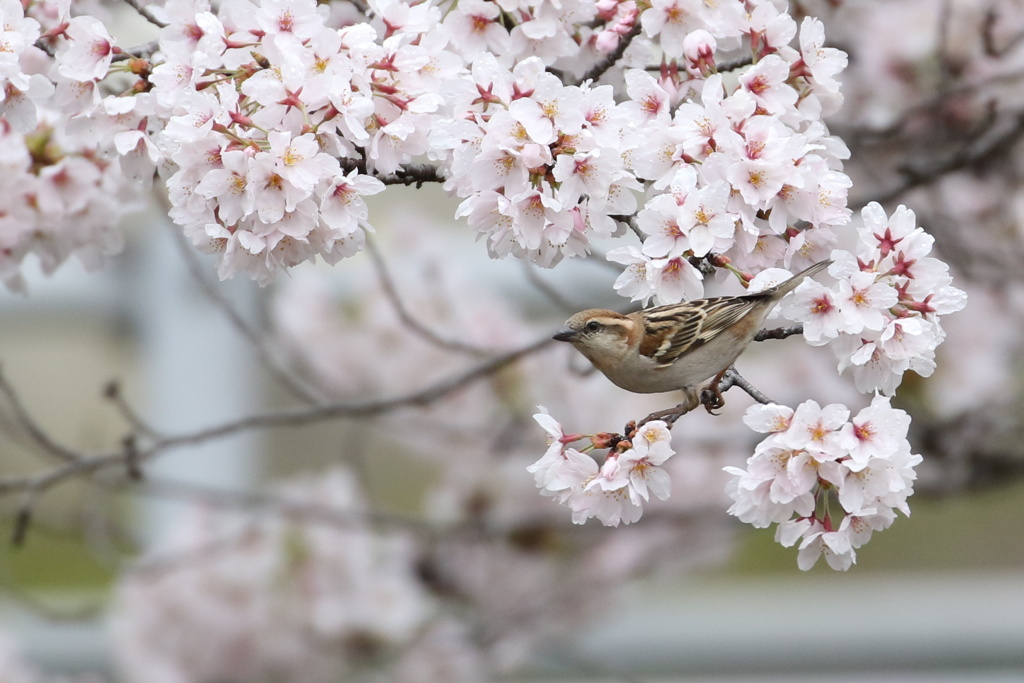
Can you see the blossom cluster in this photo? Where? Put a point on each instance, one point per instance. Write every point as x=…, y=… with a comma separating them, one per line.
x=727, y=169
x=272, y=120
x=265, y=108
x=736, y=166
x=613, y=492
x=61, y=194
x=541, y=164
x=826, y=479
x=882, y=317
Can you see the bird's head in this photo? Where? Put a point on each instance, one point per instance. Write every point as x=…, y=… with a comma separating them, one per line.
x=599, y=334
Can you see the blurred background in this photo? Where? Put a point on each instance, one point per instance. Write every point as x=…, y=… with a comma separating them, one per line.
x=411, y=544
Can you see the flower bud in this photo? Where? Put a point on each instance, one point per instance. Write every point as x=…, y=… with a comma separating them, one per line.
x=699, y=49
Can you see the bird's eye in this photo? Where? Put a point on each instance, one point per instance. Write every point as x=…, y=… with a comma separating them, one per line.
x=593, y=326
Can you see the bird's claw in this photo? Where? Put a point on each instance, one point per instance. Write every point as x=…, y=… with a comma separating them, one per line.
x=712, y=399
x=711, y=396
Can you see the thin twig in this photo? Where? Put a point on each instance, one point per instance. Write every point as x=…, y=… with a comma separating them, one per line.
x=301, y=416
x=989, y=39
x=274, y=368
x=963, y=158
x=145, y=13
x=546, y=289
x=410, y=321
x=36, y=433
x=22, y=521
x=858, y=135
x=735, y=64
x=942, y=30
x=671, y=415
x=132, y=465
x=720, y=68
x=140, y=51
x=710, y=397
x=112, y=392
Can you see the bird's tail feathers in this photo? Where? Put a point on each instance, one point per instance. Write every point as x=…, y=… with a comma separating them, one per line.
x=784, y=288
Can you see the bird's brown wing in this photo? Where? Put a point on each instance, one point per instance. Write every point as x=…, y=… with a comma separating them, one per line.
x=676, y=329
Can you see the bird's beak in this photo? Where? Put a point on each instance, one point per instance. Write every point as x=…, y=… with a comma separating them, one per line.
x=565, y=334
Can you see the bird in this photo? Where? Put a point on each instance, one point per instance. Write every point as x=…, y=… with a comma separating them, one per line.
x=677, y=346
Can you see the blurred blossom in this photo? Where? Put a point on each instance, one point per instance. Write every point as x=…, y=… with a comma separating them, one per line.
x=270, y=597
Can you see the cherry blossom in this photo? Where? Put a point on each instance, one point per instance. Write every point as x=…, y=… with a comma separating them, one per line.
x=814, y=454
x=89, y=51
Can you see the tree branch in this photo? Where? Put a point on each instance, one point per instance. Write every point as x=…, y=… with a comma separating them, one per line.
x=779, y=333
x=733, y=378
x=631, y=223
x=964, y=158
x=615, y=55
x=133, y=455
x=140, y=51
x=112, y=392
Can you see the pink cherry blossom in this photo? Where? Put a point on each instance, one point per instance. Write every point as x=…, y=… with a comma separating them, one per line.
x=89, y=52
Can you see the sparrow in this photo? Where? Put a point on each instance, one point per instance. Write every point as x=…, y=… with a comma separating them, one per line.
x=678, y=346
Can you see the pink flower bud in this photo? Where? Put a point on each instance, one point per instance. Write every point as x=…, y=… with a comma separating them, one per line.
x=699, y=49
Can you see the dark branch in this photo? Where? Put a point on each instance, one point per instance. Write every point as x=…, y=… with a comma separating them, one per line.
x=734, y=65
x=989, y=39
x=141, y=51
x=21, y=524
x=615, y=55
x=413, y=174
x=779, y=333
x=733, y=378
x=112, y=392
